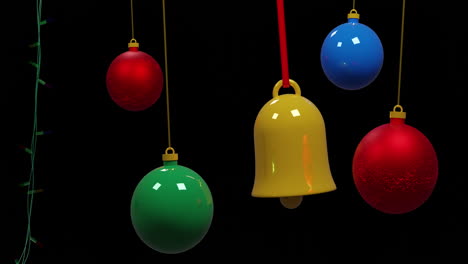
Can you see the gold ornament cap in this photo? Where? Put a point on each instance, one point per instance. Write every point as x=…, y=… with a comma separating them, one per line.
x=170, y=156
x=397, y=114
x=133, y=43
x=353, y=14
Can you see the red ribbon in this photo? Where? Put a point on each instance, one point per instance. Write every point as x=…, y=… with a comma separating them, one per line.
x=282, y=40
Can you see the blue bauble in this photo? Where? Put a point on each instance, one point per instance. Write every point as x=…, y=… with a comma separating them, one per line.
x=352, y=54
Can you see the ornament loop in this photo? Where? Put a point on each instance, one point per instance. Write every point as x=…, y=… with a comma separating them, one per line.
x=171, y=149
x=293, y=84
x=398, y=106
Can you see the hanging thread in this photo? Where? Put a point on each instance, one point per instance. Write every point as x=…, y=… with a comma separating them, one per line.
x=401, y=52
x=282, y=41
x=166, y=76
x=131, y=17
x=354, y=4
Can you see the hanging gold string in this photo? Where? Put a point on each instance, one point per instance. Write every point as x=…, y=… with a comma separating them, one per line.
x=131, y=15
x=166, y=78
x=401, y=52
x=354, y=4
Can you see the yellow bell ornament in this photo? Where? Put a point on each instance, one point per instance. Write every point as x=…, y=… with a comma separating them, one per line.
x=291, y=157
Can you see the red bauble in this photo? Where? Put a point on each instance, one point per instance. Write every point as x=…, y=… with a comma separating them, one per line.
x=395, y=167
x=134, y=80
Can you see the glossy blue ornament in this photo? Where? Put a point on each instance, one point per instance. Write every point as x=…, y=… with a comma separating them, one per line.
x=352, y=54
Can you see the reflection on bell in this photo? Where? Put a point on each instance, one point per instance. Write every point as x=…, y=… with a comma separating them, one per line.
x=291, y=158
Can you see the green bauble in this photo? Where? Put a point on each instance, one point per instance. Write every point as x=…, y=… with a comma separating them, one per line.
x=172, y=208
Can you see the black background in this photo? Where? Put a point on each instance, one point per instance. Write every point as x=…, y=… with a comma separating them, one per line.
x=223, y=61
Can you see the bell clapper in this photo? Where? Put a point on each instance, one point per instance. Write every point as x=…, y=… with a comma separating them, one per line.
x=291, y=202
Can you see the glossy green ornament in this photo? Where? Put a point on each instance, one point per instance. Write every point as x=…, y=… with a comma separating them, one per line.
x=171, y=207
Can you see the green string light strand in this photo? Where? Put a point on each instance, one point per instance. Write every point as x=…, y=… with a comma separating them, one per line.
x=30, y=194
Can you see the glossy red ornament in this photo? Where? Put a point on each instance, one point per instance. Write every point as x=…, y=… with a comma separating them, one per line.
x=395, y=167
x=134, y=79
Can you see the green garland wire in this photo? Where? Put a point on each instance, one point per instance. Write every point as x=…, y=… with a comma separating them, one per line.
x=30, y=194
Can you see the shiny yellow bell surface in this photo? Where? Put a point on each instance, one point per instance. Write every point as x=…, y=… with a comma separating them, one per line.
x=291, y=158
